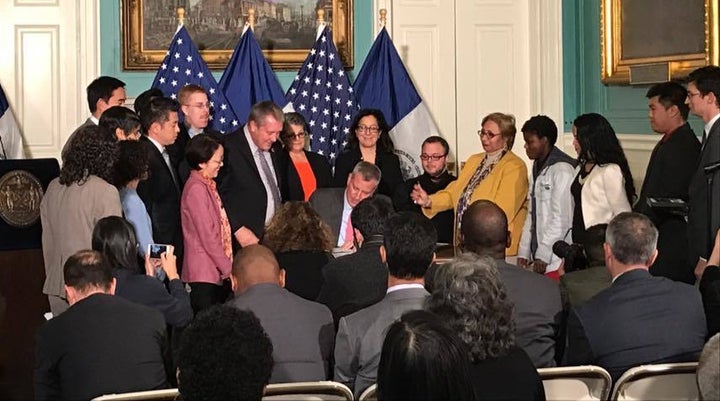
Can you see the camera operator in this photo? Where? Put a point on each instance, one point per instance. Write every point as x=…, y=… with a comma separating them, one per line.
x=585, y=273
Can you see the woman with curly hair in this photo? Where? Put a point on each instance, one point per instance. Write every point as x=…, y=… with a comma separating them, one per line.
x=469, y=296
x=603, y=187
x=369, y=140
x=74, y=202
x=302, y=243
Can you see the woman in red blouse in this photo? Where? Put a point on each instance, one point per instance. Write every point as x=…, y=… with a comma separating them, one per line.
x=306, y=170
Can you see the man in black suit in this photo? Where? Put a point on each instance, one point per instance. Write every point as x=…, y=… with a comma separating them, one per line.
x=671, y=166
x=250, y=182
x=704, y=219
x=161, y=191
x=195, y=108
x=335, y=204
x=301, y=331
x=435, y=177
x=103, y=344
x=356, y=281
x=538, y=309
x=639, y=319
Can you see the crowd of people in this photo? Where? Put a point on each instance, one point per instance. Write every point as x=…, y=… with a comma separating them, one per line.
x=280, y=271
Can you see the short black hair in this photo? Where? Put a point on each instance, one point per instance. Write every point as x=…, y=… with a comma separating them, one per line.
x=119, y=117
x=593, y=245
x=133, y=163
x=423, y=359
x=706, y=79
x=541, y=126
x=670, y=94
x=102, y=88
x=157, y=111
x=224, y=355
x=143, y=99
x=409, y=240
x=87, y=269
x=484, y=228
x=437, y=139
x=200, y=149
x=370, y=215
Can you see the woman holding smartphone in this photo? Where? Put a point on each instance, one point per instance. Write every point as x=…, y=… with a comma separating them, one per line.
x=206, y=229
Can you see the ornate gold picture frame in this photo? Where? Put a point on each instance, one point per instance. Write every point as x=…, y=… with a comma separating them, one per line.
x=656, y=40
x=285, y=30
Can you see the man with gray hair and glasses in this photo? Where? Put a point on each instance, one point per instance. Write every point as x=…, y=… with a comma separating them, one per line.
x=639, y=319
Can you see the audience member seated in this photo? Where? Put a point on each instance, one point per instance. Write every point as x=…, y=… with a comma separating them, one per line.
x=122, y=122
x=537, y=309
x=709, y=276
x=408, y=249
x=205, y=226
x=302, y=243
x=224, y=355
x=639, y=319
x=423, y=359
x=102, y=344
x=130, y=169
x=301, y=331
x=335, y=204
x=369, y=140
x=114, y=237
x=306, y=171
x=435, y=177
x=102, y=93
x=708, y=372
x=577, y=286
x=74, y=202
x=353, y=282
x=603, y=187
x=498, y=175
x=470, y=298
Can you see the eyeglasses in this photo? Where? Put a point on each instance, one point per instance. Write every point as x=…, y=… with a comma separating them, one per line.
x=690, y=95
x=200, y=105
x=489, y=134
x=372, y=129
x=299, y=135
x=216, y=161
x=434, y=158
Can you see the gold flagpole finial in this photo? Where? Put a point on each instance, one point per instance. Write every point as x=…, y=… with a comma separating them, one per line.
x=383, y=17
x=181, y=16
x=251, y=18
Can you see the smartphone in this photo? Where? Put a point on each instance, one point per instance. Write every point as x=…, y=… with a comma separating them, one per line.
x=155, y=250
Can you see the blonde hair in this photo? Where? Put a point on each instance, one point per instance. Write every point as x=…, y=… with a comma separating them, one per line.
x=506, y=122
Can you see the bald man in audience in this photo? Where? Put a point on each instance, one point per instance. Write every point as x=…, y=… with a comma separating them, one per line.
x=538, y=309
x=301, y=331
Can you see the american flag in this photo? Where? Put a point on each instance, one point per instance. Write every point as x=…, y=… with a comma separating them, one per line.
x=183, y=65
x=322, y=93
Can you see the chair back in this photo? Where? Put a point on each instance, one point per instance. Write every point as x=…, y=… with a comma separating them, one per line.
x=584, y=383
x=308, y=391
x=153, y=395
x=370, y=394
x=668, y=381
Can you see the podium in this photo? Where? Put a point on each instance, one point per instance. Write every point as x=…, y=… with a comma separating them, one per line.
x=22, y=271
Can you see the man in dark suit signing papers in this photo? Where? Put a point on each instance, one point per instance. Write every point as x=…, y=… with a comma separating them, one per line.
x=249, y=183
x=103, y=344
x=640, y=319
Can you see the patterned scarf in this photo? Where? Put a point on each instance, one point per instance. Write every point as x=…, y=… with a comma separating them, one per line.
x=224, y=222
x=483, y=170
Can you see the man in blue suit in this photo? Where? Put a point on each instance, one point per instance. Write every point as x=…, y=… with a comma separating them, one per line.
x=639, y=319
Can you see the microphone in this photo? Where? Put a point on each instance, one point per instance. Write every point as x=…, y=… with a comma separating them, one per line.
x=711, y=168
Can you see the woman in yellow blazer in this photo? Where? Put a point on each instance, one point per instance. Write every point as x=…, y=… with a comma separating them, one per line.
x=497, y=175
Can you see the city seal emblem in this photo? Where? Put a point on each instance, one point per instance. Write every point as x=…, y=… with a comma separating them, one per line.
x=20, y=196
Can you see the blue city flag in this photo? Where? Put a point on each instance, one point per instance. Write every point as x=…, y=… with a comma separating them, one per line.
x=248, y=78
x=182, y=66
x=383, y=83
x=322, y=93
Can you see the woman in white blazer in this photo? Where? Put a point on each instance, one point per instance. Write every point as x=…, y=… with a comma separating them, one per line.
x=603, y=187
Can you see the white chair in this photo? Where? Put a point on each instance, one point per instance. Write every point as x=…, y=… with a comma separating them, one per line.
x=370, y=394
x=576, y=383
x=669, y=381
x=154, y=395
x=308, y=391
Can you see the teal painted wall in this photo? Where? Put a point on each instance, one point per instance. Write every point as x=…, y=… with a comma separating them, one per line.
x=111, y=51
x=624, y=106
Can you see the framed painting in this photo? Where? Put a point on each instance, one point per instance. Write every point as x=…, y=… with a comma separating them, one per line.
x=645, y=41
x=284, y=29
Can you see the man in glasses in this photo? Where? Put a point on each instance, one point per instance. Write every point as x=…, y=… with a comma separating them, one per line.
x=435, y=178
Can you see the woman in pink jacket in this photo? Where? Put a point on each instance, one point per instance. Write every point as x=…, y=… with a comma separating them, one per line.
x=206, y=230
